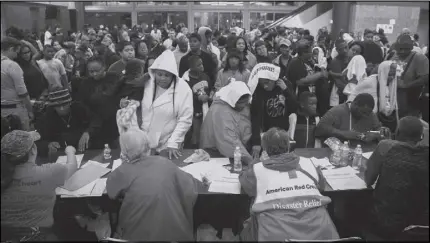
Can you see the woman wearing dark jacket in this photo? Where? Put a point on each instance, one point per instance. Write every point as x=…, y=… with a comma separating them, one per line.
x=98, y=93
x=33, y=77
x=133, y=81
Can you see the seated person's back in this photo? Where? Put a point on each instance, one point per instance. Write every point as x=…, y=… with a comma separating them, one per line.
x=401, y=195
x=288, y=204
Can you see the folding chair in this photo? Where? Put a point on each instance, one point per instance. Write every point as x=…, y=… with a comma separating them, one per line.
x=334, y=240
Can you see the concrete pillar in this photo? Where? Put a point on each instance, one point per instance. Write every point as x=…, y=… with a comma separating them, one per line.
x=80, y=15
x=133, y=14
x=190, y=16
x=246, y=16
x=341, y=17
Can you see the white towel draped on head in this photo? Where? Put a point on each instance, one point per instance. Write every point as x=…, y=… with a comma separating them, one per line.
x=232, y=92
x=126, y=117
x=263, y=70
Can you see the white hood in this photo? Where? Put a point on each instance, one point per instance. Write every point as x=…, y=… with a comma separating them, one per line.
x=167, y=62
x=232, y=92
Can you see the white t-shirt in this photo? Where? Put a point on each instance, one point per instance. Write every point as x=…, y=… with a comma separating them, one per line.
x=52, y=70
x=48, y=40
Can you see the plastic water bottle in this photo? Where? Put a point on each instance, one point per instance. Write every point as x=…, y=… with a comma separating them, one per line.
x=106, y=152
x=344, y=154
x=356, y=162
x=237, y=166
x=336, y=156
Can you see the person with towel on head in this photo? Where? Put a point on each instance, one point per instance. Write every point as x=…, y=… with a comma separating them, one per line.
x=228, y=123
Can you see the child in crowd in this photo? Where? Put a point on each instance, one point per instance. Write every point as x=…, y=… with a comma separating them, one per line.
x=200, y=85
x=304, y=121
x=53, y=70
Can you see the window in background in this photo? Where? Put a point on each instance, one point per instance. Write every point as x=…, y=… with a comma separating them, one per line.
x=163, y=19
x=261, y=4
x=280, y=15
x=108, y=19
x=240, y=4
x=209, y=19
x=229, y=20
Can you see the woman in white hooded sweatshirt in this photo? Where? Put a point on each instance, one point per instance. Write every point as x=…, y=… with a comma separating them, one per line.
x=166, y=108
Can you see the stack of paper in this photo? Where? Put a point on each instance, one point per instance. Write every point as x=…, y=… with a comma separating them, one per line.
x=93, y=189
x=82, y=177
x=92, y=162
x=323, y=163
x=222, y=180
x=116, y=164
x=344, y=179
x=63, y=159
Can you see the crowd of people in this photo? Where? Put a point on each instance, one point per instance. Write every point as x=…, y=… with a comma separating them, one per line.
x=149, y=91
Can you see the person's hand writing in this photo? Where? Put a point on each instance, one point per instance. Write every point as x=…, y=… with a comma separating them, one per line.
x=175, y=152
x=70, y=150
x=206, y=181
x=281, y=84
x=83, y=142
x=53, y=147
x=256, y=151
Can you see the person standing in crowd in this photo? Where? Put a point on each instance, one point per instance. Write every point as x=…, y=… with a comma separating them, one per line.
x=195, y=49
x=169, y=42
x=98, y=94
x=167, y=106
x=22, y=181
x=107, y=41
x=14, y=94
x=269, y=220
x=401, y=171
x=56, y=46
x=222, y=42
x=227, y=124
x=182, y=49
x=233, y=70
x=126, y=50
x=372, y=52
x=304, y=121
x=207, y=46
x=34, y=80
x=284, y=58
x=66, y=57
x=156, y=33
x=141, y=50
x=170, y=203
x=356, y=69
x=261, y=53
x=415, y=76
x=48, y=36
x=53, y=70
x=133, y=81
x=199, y=83
x=304, y=78
x=353, y=121
x=272, y=103
x=109, y=55
x=337, y=79
x=249, y=59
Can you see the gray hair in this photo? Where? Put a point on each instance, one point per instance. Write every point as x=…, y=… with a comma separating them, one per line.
x=275, y=141
x=134, y=144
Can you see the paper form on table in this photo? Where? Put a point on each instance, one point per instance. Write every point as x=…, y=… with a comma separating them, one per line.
x=324, y=162
x=84, y=176
x=367, y=155
x=81, y=192
x=63, y=159
x=116, y=164
x=226, y=185
x=206, y=168
x=344, y=179
x=92, y=162
x=99, y=188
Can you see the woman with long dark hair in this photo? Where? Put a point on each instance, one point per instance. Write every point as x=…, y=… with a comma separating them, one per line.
x=234, y=69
